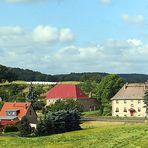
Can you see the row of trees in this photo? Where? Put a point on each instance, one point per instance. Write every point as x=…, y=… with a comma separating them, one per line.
x=12, y=74
x=7, y=74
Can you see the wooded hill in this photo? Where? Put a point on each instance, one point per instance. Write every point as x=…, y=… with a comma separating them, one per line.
x=12, y=74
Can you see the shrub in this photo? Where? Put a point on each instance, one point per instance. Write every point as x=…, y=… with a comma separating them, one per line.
x=58, y=122
x=24, y=127
x=38, y=105
x=11, y=128
x=68, y=104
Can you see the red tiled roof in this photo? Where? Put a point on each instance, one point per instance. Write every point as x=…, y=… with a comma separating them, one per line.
x=21, y=107
x=66, y=91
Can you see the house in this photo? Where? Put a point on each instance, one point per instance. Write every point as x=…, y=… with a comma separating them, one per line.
x=70, y=91
x=12, y=113
x=129, y=100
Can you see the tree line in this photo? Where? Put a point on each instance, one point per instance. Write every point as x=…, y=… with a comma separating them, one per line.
x=12, y=74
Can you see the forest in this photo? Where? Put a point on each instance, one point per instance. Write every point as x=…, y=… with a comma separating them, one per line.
x=12, y=74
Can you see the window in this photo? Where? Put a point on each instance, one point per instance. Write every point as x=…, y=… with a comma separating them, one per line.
x=139, y=101
x=117, y=109
x=117, y=101
x=132, y=105
x=125, y=102
x=125, y=110
x=11, y=113
x=139, y=109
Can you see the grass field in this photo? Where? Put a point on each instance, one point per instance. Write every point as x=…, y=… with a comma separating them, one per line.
x=93, y=135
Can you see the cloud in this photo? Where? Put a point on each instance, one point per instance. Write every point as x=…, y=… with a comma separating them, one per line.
x=42, y=49
x=6, y=30
x=135, y=42
x=66, y=35
x=51, y=34
x=137, y=19
x=115, y=56
x=106, y=2
x=45, y=34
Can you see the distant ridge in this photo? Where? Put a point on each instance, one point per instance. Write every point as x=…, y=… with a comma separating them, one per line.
x=13, y=74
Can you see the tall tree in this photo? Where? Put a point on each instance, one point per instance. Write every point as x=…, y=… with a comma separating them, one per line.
x=106, y=89
x=32, y=96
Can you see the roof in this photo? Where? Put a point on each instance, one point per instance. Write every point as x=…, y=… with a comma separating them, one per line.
x=66, y=91
x=131, y=91
x=22, y=107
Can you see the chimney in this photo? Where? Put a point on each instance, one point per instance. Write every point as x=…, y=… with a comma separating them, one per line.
x=125, y=85
x=145, y=85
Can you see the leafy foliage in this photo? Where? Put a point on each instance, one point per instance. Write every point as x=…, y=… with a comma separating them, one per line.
x=67, y=104
x=89, y=83
x=12, y=74
x=38, y=105
x=7, y=74
x=58, y=122
x=11, y=128
x=24, y=127
x=106, y=89
x=19, y=92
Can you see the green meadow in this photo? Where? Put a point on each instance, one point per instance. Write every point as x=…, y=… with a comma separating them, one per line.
x=92, y=135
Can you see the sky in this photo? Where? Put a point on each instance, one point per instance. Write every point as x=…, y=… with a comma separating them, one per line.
x=63, y=36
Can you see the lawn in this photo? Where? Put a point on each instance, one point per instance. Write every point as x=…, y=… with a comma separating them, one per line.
x=93, y=135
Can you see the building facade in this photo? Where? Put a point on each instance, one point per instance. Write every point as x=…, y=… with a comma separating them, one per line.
x=71, y=91
x=129, y=101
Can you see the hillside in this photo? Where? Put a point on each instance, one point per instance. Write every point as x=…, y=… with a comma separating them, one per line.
x=12, y=74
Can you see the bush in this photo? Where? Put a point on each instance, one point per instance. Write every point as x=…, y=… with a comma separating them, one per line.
x=68, y=104
x=59, y=122
x=25, y=128
x=11, y=128
x=38, y=105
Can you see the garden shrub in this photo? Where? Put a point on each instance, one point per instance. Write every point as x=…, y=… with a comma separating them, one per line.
x=11, y=128
x=24, y=127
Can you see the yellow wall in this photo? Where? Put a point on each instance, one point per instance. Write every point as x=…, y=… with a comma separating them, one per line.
x=135, y=104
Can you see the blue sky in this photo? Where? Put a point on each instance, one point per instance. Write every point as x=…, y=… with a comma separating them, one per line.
x=63, y=36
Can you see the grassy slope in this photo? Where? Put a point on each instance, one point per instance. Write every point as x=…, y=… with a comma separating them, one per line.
x=94, y=134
